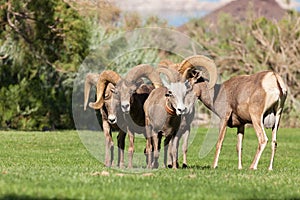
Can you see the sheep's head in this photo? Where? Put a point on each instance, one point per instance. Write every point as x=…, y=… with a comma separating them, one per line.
x=179, y=89
x=106, y=77
x=176, y=94
x=124, y=91
x=111, y=102
x=132, y=81
x=194, y=68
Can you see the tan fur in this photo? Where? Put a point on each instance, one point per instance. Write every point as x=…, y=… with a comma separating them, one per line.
x=256, y=99
x=91, y=80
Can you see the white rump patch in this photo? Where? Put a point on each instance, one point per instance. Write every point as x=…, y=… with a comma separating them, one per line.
x=270, y=85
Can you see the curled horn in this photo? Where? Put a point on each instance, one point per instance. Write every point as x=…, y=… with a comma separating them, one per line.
x=169, y=64
x=203, y=61
x=172, y=75
x=146, y=71
x=90, y=79
x=106, y=77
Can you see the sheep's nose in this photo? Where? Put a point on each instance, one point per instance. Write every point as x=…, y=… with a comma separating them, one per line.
x=112, y=119
x=125, y=107
x=181, y=111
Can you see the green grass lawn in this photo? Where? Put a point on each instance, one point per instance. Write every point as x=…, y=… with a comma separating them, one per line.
x=56, y=165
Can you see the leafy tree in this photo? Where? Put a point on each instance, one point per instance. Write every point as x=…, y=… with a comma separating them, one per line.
x=42, y=44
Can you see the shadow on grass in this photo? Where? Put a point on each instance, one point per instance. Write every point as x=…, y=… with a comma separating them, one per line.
x=27, y=197
x=199, y=167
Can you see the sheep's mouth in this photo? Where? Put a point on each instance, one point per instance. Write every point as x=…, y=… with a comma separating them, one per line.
x=125, y=108
x=126, y=112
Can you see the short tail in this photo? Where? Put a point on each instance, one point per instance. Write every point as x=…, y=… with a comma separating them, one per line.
x=281, y=85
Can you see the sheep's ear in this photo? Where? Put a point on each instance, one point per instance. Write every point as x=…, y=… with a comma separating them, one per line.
x=187, y=85
x=196, y=76
x=166, y=83
x=139, y=82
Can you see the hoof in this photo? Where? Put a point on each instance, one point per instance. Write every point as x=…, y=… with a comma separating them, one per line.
x=121, y=165
x=184, y=166
x=170, y=166
x=270, y=168
x=155, y=165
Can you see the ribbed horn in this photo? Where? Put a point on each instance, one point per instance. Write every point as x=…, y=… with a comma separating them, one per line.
x=107, y=76
x=146, y=71
x=169, y=64
x=172, y=75
x=203, y=61
x=90, y=79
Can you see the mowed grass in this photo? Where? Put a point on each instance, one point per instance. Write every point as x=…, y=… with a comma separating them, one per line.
x=56, y=165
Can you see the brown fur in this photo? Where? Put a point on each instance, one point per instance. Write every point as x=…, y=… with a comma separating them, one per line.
x=159, y=121
x=91, y=79
x=241, y=100
x=189, y=71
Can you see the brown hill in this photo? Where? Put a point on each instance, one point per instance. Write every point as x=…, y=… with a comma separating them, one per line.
x=239, y=10
x=242, y=9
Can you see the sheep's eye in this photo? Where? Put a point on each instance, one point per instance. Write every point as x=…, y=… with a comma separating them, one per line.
x=131, y=92
x=114, y=91
x=106, y=96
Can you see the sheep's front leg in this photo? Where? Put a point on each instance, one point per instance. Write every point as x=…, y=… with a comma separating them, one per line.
x=148, y=150
x=240, y=136
x=222, y=132
x=167, y=158
x=167, y=152
x=155, y=150
x=130, y=148
x=121, y=147
x=185, y=138
x=175, y=145
x=109, y=146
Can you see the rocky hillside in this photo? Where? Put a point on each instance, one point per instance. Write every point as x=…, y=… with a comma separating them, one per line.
x=243, y=9
x=240, y=10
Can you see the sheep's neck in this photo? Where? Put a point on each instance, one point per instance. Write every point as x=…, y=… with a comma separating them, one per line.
x=208, y=96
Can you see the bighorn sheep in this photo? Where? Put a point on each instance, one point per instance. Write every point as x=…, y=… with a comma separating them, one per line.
x=129, y=94
x=164, y=110
x=256, y=99
x=91, y=79
x=171, y=144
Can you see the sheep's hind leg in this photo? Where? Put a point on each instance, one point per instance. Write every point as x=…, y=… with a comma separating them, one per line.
x=239, y=145
x=274, y=138
x=262, y=141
